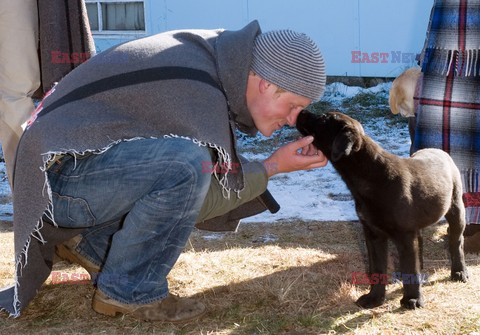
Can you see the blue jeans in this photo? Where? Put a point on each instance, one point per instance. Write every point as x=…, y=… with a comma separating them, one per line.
x=139, y=201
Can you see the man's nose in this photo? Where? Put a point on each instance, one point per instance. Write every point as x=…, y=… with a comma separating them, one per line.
x=292, y=118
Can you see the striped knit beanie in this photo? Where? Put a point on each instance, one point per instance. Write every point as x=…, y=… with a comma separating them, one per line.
x=291, y=61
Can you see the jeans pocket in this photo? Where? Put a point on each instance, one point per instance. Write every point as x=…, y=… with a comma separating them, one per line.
x=72, y=212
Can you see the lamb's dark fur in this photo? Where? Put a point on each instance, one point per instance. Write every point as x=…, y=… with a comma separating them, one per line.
x=394, y=198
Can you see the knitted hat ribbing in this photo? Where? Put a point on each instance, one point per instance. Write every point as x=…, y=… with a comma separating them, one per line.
x=291, y=61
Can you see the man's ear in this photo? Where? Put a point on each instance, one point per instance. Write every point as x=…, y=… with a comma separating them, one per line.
x=344, y=144
x=263, y=85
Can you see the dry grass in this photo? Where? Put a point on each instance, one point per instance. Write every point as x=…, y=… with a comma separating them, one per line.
x=297, y=284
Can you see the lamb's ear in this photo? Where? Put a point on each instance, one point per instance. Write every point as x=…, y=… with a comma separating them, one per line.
x=344, y=144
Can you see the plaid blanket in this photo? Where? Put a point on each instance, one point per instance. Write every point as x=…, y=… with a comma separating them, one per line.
x=453, y=38
x=448, y=101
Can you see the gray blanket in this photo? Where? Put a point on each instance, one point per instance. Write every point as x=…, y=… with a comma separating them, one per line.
x=191, y=109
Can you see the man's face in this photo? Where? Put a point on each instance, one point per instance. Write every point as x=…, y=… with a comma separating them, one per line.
x=270, y=109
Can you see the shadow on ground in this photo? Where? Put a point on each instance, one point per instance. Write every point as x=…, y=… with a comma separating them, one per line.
x=281, y=298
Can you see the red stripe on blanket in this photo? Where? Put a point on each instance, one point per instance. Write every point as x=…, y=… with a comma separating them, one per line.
x=436, y=102
x=471, y=199
x=446, y=109
x=462, y=25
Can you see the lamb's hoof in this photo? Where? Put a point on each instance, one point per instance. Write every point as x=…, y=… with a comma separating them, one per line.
x=460, y=276
x=412, y=303
x=370, y=301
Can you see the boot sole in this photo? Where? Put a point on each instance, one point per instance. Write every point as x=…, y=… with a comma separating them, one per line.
x=112, y=310
x=66, y=255
x=107, y=309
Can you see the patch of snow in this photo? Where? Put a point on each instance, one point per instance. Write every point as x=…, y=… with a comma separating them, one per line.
x=213, y=236
x=6, y=206
x=341, y=91
x=265, y=238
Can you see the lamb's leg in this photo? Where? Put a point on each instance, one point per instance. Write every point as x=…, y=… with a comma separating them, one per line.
x=377, y=249
x=456, y=223
x=407, y=245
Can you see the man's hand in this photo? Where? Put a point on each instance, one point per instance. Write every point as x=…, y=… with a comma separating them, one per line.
x=290, y=158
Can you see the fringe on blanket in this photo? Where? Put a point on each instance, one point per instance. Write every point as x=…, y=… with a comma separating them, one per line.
x=471, y=195
x=442, y=61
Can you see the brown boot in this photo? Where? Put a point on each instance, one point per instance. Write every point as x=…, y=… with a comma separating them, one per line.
x=171, y=309
x=472, y=243
x=66, y=251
